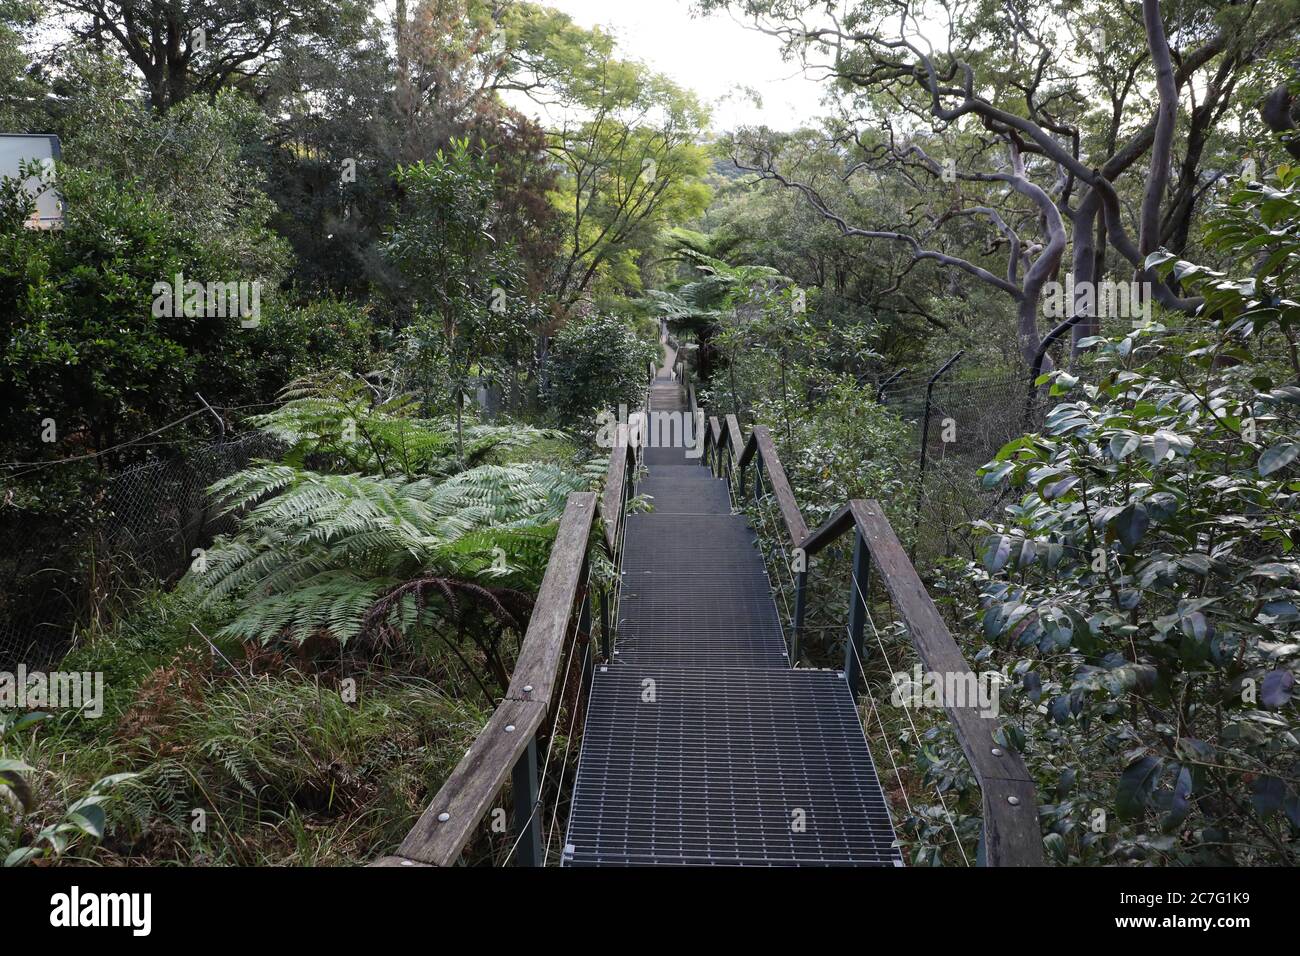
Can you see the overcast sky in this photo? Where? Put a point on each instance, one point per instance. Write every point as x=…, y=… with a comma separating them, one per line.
x=712, y=56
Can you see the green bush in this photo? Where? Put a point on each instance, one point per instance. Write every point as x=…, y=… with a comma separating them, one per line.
x=287, y=766
x=598, y=362
x=1145, y=594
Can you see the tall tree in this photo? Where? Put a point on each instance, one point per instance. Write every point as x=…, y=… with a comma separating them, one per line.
x=184, y=47
x=994, y=104
x=633, y=166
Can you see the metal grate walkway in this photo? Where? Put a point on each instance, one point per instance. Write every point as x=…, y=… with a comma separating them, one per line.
x=702, y=747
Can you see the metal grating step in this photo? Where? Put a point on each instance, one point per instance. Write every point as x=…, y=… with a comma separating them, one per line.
x=694, y=471
x=725, y=767
x=751, y=649
x=674, y=529
x=686, y=496
x=636, y=561
x=692, y=467
x=652, y=457
x=682, y=472
x=694, y=543
x=673, y=599
x=677, y=617
x=673, y=584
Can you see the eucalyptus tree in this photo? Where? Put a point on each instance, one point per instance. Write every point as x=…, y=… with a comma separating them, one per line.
x=1024, y=118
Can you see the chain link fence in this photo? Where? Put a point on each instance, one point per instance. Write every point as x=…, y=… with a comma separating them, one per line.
x=63, y=569
x=967, y=422
x=958, y=426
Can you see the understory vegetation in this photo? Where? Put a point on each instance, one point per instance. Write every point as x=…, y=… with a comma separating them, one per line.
x=239, y=755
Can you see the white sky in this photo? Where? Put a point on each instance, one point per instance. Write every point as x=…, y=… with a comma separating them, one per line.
x=714, y=56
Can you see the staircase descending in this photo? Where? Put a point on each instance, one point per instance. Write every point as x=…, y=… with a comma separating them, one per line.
x=702, y=746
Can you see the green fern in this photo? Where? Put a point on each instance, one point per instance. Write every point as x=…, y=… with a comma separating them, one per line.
x=315, y=552
x=373, y=527
x=339, y=423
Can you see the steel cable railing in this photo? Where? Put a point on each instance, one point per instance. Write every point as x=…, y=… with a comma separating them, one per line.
x=1011, y=832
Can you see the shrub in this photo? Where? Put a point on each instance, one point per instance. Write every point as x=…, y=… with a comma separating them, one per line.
x=1144, y=581
x=597, y=363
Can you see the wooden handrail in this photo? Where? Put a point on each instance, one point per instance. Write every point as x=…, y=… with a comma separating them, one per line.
x=539, y=658
x=831, y=529
x=735, y=441
x=760, y=443
x=509, y=740
x=1011, y=832
x=507, y=745
x=472, y=788
x=747, y=451
x=621, y=472
x=614, y=497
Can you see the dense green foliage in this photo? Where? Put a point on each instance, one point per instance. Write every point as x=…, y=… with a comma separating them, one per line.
x=1148, y=571
x=599, y=363
x=238, y=759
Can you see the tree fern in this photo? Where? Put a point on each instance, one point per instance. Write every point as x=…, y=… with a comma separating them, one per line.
x=338, y=423
x=316, y=553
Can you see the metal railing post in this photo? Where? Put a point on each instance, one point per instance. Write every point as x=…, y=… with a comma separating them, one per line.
x=859, y=584
x=604, y=623
x=1039, y=357
x=528, y=824
x=880, y=391
x=584, y=627
x=796, y=627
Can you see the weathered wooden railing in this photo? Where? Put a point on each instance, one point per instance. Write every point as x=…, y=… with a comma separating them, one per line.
x=728, y=449
x=507, y=747
x=1010, y=804
x=760, y=450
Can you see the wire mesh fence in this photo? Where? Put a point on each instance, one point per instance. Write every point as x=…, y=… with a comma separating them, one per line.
x=957, y=427
x=63, y=567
